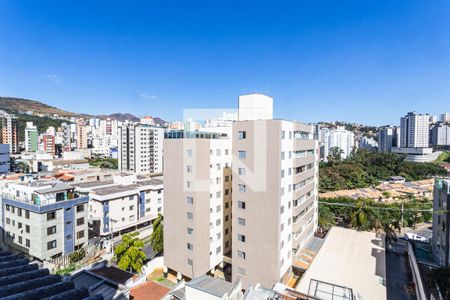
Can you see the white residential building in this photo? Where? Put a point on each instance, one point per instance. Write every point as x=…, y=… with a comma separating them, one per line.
x=340, y=138
x=141, y=148
x=123, y=203
x=44, y=219
x=440, y=135
x=414, y=130
x=197, y=220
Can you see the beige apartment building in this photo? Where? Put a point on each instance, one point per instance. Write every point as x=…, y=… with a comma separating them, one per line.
x=273, y=186
x=275, y=170
x=197, y=205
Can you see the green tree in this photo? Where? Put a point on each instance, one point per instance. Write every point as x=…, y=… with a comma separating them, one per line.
x=326, y=217
x=129, y=254
x=335, y=155
x=157, y=236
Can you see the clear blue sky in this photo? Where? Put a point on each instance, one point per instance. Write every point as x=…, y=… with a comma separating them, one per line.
x=362, y=61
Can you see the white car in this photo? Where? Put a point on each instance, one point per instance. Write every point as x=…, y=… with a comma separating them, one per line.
x=415, y=236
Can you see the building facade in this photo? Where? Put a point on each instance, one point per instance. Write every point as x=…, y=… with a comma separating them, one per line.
x=10, y=133
x=414, y=130
x=441, y=222
x=140, y=148
x=275, y=176
x=31, y=137
x=4, y=159
x=123, y=204
x=440, y=135
x=82, y=134
x=337, y=137
x=197, y=220
x=388, y=138
x=44, y=219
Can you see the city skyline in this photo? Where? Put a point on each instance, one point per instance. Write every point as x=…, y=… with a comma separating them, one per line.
x=359, y=61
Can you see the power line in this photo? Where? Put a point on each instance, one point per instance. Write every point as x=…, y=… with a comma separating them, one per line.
x=386, y=208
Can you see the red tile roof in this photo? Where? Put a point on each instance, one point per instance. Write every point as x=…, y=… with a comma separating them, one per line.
x=148, y=291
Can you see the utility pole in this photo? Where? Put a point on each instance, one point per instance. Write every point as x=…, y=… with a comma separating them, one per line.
x=401, y=224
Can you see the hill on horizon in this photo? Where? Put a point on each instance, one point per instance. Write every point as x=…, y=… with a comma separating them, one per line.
x=13, y=105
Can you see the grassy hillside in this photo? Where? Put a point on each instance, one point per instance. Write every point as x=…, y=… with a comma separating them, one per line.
x=13, y=105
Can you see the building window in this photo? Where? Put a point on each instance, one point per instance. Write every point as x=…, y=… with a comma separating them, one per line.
x=51, y=245
x=242, y=154
x=51, y=230
x=242, y=135
x=27, y=243
x=80, y=208
x=189, y=169
x=51, y=215
x=241, y=204
x=227, y=178
x=227, y=192
x=190, y=247
x=242, y=187
x=189, y=215
x=189, y=262
x=20, y=240
x=218, y=222
x=27, y=228
x=226, y=231
x=281, y=209
x=241, y=221
x=189, y=184
x=282, y=155
x=189, y=153
x=282, y=173
x=131, y=207
x=8, y=221
x=241, y=238
x=19, y=225
x=19, y=212
x=241, y=254
x=68, y=237
x=218, y=208
x=8, y=208
x=80, y=234
x=218, y=250
x=241, y=171
x=80, y=221
x=189, y=231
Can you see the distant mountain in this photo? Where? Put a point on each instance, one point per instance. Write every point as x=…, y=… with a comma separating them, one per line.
x=120, y=117
x=15, y=105
x=11, y=104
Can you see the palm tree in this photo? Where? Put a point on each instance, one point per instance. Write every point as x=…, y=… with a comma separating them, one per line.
x=326, y=217
x=361, y=218
x=157, y=237
x=129, y=254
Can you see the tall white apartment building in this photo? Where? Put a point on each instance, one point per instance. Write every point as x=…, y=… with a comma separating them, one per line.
x=275, y=212
x=340, y=138
x=141, y=148
x=44, y=219
x=440, y=135
x=124, y=203
x=197, y=194
x=414, y=130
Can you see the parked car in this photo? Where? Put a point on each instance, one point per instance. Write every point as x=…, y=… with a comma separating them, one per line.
x=415, y=237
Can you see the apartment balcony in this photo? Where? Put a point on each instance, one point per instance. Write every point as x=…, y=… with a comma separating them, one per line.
x=304, y=144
